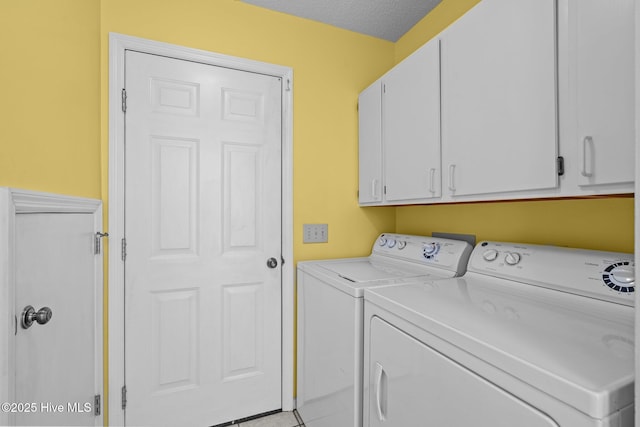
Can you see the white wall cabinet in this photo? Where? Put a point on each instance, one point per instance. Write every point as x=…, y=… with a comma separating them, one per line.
x=411, y=126
x=370, y=144
x=521, y=83
x=400, y=132
x=601, y=36
x=499, y=103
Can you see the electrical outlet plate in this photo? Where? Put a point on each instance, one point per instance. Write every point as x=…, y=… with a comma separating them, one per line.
x=315, y=233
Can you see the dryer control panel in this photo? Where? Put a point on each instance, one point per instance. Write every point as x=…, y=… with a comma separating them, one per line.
x=448, y=254
x=608, y=276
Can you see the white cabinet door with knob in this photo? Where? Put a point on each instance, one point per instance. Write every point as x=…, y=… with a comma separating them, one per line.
x=499, y=102
x=399, y=125
x=370, y=144
x=411, y=126
x=601, y=33
x=55, y=359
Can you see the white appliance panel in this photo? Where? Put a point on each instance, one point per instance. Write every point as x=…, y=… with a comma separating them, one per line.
x=327, y=368
x=330, y=318
x=570, y=346
x=552, y=326
x=401, y=369
x=603, y=275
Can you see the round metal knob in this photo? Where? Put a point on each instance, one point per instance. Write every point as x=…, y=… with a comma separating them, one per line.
x=29, y=315
x=272, y=263
x=44, y=315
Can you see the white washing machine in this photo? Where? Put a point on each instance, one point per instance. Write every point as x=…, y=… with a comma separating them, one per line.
x=531, y=336
x=330, y=318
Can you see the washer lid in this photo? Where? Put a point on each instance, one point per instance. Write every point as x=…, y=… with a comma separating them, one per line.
x=368, y=270
x=353, y=275
x=577, y=349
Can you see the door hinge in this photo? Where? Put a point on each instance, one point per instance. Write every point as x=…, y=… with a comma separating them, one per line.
x=97, y=409
x=124, y=397
x=288, y=89
x=560, y=164
x=123, y=248
x=98, y=242
x=124, y=100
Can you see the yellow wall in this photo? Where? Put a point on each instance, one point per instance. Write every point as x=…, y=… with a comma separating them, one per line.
x=603, y=224
x=50, y=109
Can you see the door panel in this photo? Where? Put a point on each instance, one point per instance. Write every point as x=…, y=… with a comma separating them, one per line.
x=55, y=362
x=499, y=103
x=604, y=46
x=370, y=144
x=411, y=126
x=409, y=382
x=202, y=216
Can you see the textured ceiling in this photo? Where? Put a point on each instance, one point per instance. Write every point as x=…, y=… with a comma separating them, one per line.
x=385, y=19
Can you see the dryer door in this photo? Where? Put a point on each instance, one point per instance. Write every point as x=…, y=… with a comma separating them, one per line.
x=412, y=384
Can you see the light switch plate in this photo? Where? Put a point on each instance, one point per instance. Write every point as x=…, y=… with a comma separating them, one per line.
x=315, y=233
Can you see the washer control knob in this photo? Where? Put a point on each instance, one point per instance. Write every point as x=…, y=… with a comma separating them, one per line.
x=391, y=243
x=624, y=274
x=490, y=255
x=512, y=258
x=430, y=249
x=402, y=244
x=382, y=241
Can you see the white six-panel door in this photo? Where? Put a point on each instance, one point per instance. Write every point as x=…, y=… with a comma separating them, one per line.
x=202, y=218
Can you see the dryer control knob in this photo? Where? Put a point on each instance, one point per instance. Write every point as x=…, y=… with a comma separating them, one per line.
x=490, y=255
x=512, y=258
x=402, y=244
x=391, y=243
x=624, y=274
x=382, y=241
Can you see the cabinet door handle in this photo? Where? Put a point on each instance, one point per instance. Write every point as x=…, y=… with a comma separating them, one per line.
x=432, y=177
x=452, y=172
x=381, y=392
x=374, y=188
x=587, y=160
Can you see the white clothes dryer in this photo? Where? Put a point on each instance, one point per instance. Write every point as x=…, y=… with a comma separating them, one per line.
x=330, y=318
x=531, y=336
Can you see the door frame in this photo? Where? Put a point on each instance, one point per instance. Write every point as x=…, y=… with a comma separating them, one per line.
x=12, y=203
x=118, y=45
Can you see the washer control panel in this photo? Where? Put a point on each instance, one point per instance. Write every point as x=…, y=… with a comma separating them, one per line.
x=608, y=276
x=448, y=254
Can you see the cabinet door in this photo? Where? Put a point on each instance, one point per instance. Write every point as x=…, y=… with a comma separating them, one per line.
x=603, y=39
x=410, y=384
x=499, y=103
x=370, y=144
x=411, y=126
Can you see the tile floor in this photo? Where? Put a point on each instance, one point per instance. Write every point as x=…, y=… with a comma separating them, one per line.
x=281, y=419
